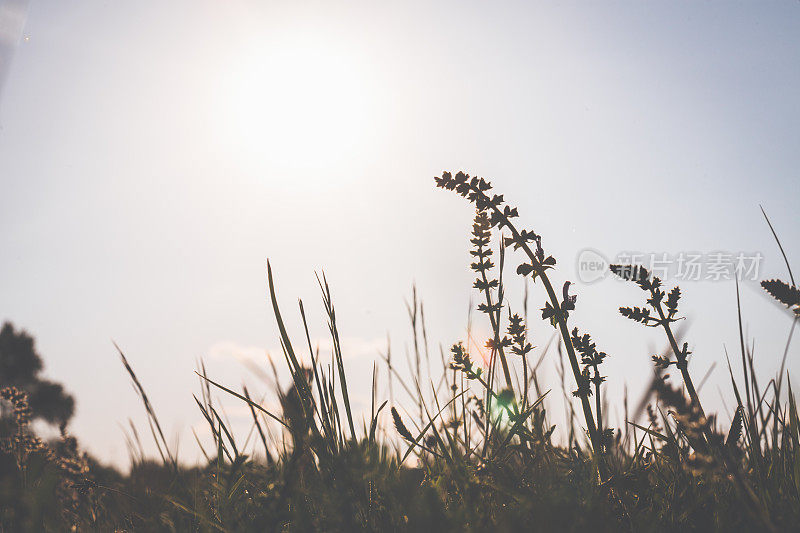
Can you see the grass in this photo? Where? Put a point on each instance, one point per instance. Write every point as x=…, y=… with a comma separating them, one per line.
x=473, y=450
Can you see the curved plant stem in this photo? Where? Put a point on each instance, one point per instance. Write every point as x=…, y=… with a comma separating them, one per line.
x=562, y=325
x=474, y=191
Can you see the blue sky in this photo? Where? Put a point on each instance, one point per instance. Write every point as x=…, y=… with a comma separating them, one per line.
x=154, y=154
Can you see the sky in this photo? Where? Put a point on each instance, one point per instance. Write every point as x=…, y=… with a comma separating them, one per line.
x=154, y=155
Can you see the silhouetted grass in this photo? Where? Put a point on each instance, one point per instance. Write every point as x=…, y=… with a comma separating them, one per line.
x=473, y=450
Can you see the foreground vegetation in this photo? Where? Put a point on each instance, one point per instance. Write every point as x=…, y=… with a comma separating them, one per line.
x=476, y=452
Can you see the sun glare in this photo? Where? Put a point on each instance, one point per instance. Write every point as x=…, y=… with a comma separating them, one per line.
x=298, y=107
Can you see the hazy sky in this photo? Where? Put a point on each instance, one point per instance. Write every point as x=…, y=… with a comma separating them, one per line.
x=153, y=155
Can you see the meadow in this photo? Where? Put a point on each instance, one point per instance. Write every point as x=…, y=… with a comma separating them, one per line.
x=477, y=451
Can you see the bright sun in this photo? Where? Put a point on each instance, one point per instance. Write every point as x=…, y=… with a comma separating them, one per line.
x=298, y=107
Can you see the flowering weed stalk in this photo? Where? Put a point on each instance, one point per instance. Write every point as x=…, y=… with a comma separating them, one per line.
x=499, y=215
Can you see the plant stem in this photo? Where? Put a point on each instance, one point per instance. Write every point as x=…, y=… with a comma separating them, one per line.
x=562, y=324
x=750, y=499
x=494, y=322
x=598, y=403
x=682, y=365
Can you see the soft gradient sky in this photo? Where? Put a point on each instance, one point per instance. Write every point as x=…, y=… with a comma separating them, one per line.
x=153, y=154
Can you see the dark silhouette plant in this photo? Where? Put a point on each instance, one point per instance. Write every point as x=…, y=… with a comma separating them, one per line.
x=499, y=214
x=788, y=295
x=665, y=313
x=474, y=468
x=591, y=360
x=481, y=237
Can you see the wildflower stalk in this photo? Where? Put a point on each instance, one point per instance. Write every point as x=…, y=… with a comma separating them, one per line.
x=591, y=427
x=474, y=190
x=641, y=277
x=592, y=359
x=481, y=236
x=704, y=442
x=517, y=339
x=462, y=362
x=680, y=356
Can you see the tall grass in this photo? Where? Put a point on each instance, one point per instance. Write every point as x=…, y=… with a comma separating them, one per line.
x=472, y=448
